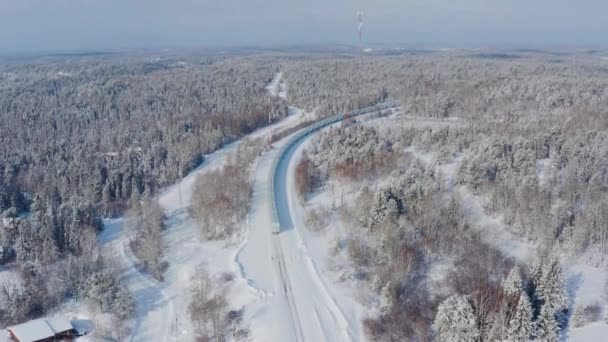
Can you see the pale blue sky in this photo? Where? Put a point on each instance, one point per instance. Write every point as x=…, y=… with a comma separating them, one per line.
x=37, y=25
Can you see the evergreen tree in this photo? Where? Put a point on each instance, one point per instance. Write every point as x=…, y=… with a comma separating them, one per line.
x=521, y=327
x=536, y=275
x=551, y=289
x=547, y=326
x=106, y=196
x=122, y=305
x=386, y=298
x=455, y=320
x=384, y=207
x=99, y=289
x=513, y=285
x=135, y=194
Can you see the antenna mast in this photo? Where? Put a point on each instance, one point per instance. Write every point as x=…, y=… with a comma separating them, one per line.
x=360, y=32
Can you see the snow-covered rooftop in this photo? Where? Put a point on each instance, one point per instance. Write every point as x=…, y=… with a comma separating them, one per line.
x=60, y=324
x=39, y=329
x=32, y=331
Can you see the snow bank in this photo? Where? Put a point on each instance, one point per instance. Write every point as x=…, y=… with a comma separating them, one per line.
x=590, y=333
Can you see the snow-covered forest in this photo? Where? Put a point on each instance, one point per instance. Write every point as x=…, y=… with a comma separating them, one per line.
x=85, y=139
x=457, y=213
x=476, y=211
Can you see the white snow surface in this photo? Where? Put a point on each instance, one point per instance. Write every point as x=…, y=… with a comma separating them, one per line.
x=33, y=330
x=544, y=167
x=161, y=307
x=9, y=277
x=494, y=231
x=343, y=298
x=587, y=285
x=276, y=87
x=301, y=301
x=597, y=331
x=4, y=336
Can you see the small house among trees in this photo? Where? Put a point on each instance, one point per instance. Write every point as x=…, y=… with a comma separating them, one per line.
x=43, y=330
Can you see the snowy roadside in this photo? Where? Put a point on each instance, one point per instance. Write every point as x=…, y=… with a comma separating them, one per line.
x=161, y=311
x=162, y=308
x=315, y=248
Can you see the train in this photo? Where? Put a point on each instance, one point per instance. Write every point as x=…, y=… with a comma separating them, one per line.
x=276, y=226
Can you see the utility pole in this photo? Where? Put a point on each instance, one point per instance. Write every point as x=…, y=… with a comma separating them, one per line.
x=179, y=187
x=270, y=109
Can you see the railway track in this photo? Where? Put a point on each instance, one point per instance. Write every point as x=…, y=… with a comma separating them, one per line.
x=281, y=221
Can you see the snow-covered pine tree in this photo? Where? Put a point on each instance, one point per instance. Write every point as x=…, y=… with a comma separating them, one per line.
x=384, y=206
x=513, y=285
x=99, y=289
x=547, y=326
x=521, y=326
x=551, y=288
x=122, y=305
x=455, y=320
x=536, y=275
x=386, y=298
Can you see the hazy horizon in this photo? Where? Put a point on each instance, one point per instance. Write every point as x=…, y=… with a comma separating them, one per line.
x=74, y=25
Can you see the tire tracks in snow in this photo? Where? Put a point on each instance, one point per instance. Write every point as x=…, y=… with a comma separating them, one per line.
x=324, y=303
x=149, y=294
x=288, y=291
